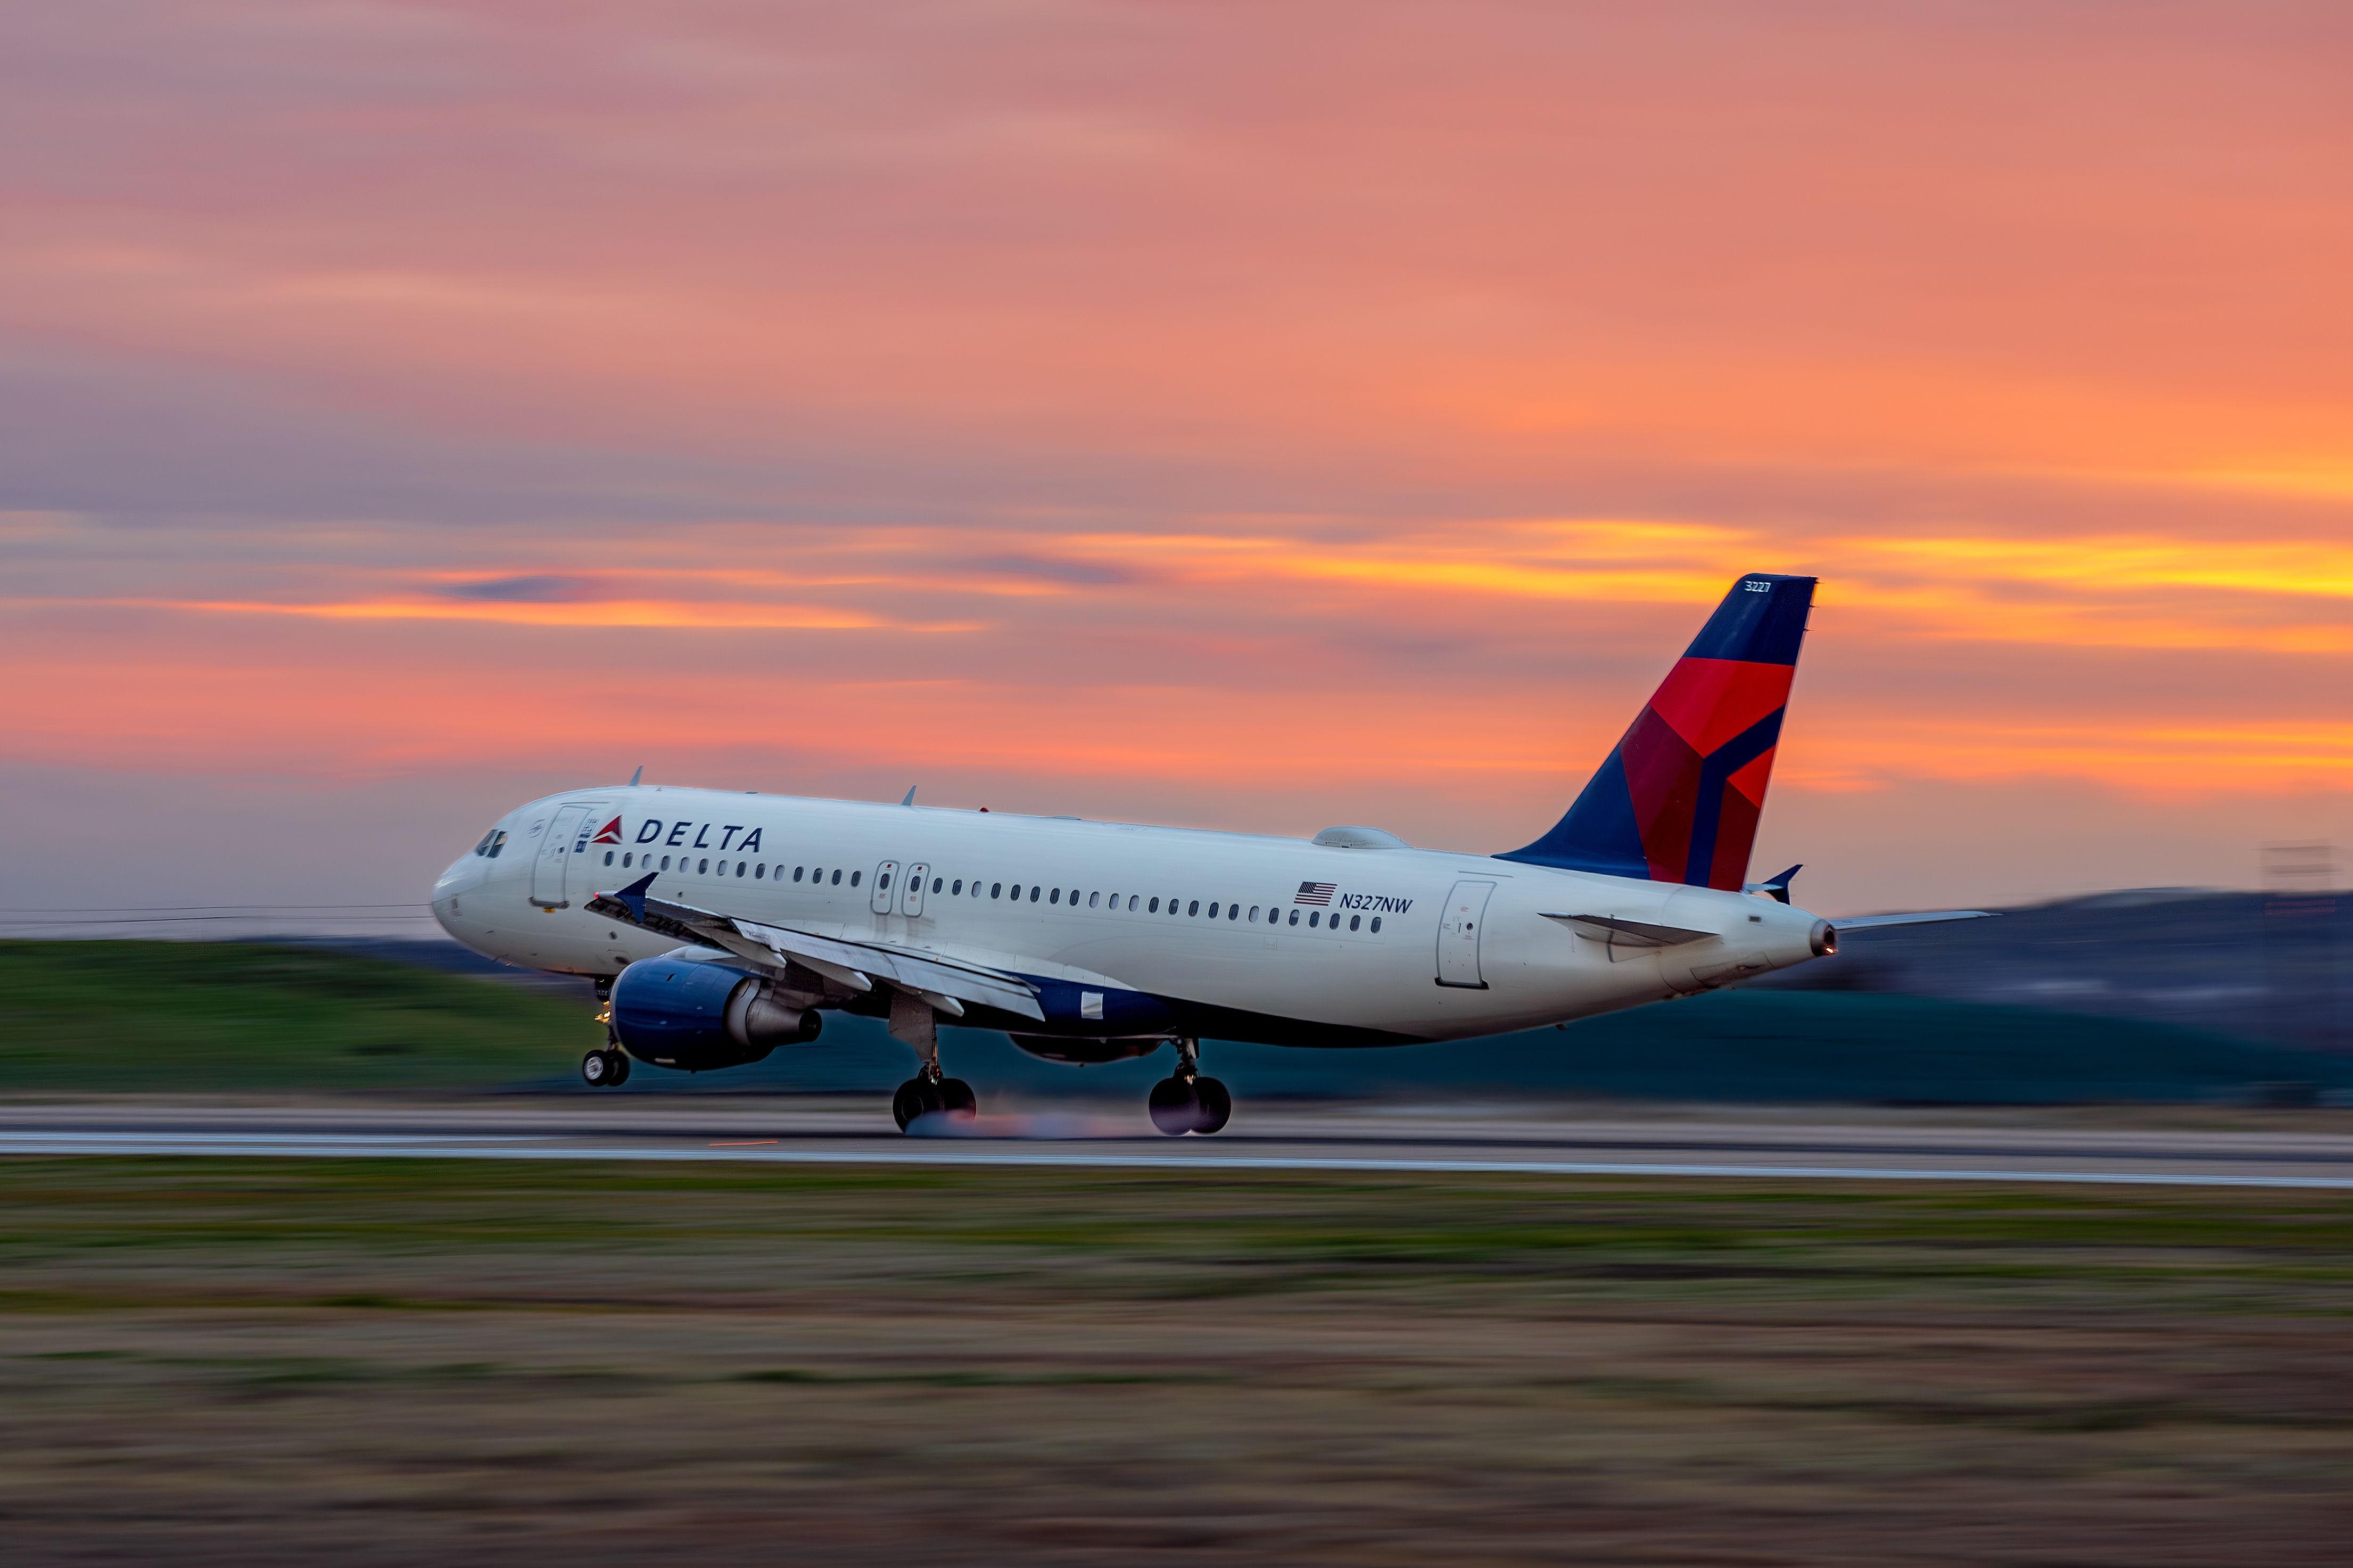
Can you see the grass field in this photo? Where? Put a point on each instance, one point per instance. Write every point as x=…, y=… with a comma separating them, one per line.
x=170, y=1015
x=286, y=1362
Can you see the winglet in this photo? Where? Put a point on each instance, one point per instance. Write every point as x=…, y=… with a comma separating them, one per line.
x=910, y=796
x=634, y=897
x=635, y=776
x=1778, y=887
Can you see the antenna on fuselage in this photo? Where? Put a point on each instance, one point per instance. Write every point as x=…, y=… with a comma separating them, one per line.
x=910, y=796
x=635, y=776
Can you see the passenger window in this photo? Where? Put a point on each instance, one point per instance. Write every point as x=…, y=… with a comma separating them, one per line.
x=1356, y=921
x=1295, y=917
x=994, y=888
x=936, y=884
x=883, y=881
x=1033, y=892
x=853, y=877
x=665, y=865
x=739, y=867
x=1155, y=906
x=1131, y=902
x=796, y=873
x=625, y=862
x=608, y=857
x=1233, y=911
x=1253, y=914
x=836, y=878
x=1196, y=909
x=760, y=871
x=957, y=891
x=1377, y=924
x=1057, y=897
x=702, y=869
x=1094, y=900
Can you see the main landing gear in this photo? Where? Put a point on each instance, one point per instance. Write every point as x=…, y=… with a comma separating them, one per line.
x=605, y=1069
x=1185, y=1101
x=921, y=1095
x=929, y=1091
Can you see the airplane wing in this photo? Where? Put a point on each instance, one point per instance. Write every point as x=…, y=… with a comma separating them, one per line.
x=1869, y=922
x=947, y=984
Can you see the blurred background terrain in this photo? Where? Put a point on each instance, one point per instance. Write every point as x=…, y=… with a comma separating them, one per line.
x=2156, y=995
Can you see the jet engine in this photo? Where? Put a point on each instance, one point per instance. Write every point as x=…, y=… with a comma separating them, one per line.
x=676, y=1012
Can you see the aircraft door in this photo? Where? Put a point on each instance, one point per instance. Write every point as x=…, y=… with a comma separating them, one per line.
x=1457, y=935
x=911, y=902
x=555, y=851
x=886, y=876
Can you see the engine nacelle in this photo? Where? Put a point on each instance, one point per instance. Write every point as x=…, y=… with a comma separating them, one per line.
x=676, y=1012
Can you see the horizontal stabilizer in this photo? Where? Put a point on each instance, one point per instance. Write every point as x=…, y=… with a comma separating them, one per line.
x=1868, y=922
x=1628, y=933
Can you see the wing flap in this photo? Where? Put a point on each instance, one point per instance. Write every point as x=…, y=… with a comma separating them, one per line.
x=947, y=984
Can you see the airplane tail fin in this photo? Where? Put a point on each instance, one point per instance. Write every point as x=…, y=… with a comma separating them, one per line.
x=1678, y=799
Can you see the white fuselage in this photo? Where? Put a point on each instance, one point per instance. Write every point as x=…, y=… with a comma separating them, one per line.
x=1405, y=943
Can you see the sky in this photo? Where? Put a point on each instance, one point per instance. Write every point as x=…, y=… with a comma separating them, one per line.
x=1252, y=417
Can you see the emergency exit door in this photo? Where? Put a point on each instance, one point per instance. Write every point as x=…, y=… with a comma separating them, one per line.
x=1457, y=935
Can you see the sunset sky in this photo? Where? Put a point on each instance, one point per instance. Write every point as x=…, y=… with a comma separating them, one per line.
x=1260, y=416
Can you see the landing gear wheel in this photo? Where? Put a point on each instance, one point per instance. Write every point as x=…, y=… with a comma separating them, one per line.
x=596, y=1069
x=916, y=1097
x=1176, y=1106
x=1217, y=1106
x=620, y=1068
x=958, y=1099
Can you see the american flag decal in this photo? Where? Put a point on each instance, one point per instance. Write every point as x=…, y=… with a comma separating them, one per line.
x=1317, y=892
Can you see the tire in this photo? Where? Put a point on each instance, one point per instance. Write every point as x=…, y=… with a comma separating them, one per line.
x=916, y=1097
x=1217, y=1106
x=1175, y=1107
x=958, y=1099
x=620, y=1060
x=596, y=1069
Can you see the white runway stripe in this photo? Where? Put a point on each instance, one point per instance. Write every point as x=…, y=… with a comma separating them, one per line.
x=1173, y=1156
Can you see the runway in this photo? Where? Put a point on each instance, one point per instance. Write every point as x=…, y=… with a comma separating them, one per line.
x=1491, y=1141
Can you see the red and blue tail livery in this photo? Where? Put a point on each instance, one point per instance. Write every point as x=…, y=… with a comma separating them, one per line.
x=1678, y=799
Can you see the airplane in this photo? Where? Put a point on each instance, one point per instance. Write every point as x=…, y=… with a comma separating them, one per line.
x=718, y=926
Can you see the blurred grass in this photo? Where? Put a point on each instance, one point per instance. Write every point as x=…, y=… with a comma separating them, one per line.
x=292, y=1361
x=179, y=1017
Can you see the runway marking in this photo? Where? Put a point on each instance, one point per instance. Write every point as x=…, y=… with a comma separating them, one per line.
x=742, y=1143
x=1199, y=1157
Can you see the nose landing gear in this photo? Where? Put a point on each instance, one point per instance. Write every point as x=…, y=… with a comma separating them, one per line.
x=605, y=1069
x=1185, y=1101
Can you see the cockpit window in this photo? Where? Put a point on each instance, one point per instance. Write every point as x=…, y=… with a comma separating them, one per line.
x=492, y=842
